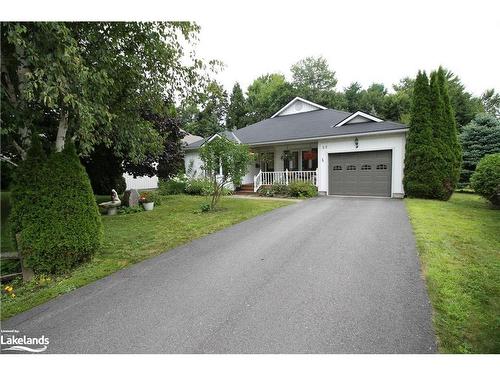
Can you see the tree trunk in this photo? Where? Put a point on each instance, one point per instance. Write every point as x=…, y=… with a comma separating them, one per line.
x=61, y=131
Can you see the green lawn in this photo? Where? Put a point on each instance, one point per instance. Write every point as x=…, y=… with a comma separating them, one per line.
x=135, y=237
x=459, y=246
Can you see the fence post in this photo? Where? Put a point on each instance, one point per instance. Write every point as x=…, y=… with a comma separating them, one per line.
x=286, y=176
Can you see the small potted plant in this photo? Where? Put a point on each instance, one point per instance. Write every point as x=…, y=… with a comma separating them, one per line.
x=146, y=198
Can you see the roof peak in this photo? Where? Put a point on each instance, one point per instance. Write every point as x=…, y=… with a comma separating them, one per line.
x=299, y=108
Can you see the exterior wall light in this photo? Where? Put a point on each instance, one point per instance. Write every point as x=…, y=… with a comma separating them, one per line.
x=356, y=142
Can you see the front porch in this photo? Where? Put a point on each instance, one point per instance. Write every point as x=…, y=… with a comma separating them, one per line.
x=282, y=164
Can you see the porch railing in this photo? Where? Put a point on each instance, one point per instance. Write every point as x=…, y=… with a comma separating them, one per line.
x=283, y=177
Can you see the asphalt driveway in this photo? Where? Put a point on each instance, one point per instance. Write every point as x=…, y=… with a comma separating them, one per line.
x=328, y=275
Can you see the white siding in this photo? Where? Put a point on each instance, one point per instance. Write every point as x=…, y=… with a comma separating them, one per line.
x=140, y=182
x=298, y=107
x=358, y=119
x=394, y=142
x=193, y=161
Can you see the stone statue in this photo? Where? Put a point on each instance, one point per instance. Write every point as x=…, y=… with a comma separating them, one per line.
x=113, y=204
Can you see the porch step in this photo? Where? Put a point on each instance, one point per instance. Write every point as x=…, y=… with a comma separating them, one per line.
x=245, y=189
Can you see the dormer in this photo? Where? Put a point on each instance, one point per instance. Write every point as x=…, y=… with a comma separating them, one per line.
x=356, y=118
x=298, y=105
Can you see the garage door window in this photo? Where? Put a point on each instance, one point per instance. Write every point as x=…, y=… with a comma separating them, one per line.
x=382, y=166
x=366, y=167
x=337, y=167
x=351, y=168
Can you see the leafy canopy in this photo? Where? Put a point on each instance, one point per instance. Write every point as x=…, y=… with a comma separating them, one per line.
x=224, y=162
x=93, y=80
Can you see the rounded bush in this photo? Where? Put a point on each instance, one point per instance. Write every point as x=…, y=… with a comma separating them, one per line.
x=199, y=187
x=486, y=179
x=302, y=189
x=172, y=186
x=55, y=214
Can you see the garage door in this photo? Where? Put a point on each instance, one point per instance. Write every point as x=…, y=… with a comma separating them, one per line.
x=360, y=173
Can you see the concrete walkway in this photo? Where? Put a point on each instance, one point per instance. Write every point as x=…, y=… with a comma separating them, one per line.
x=328, y=275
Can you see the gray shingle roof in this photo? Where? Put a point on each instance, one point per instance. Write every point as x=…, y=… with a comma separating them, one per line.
x=314, y=124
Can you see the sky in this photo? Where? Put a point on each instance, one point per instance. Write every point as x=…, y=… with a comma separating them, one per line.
x=365, y=41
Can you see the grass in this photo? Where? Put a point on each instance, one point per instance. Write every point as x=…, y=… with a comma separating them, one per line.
x=135, y=237
x=459, y=247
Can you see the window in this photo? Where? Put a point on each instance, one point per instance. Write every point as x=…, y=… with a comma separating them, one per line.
x=366, y=167
x=351, y=168
x=337, y=167
x=381, y=166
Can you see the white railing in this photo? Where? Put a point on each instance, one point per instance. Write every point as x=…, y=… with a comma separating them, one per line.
x=283, y=177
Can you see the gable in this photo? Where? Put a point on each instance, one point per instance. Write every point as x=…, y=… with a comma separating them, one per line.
x=298, y=105
x=356, y=118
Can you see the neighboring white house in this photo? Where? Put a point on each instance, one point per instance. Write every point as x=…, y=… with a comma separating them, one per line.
x=342, y=153
x=152, y=182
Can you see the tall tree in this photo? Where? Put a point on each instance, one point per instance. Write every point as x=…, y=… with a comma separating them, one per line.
x=450, y=133
x=90, y=82
x=171, y=160
x=491, y=102
x=313, y=79
x=373, y=99
x=479, y=138
x=421, y=178
x=313, y=73
x=465, y=105
x=266, y=95
x=353, y=94
x=237, y=110
x=206, y=116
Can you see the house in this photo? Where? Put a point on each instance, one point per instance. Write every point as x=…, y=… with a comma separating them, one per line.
x=341, y=153
x=146, y=182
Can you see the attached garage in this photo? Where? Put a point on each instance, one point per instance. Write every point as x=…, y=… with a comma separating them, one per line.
x=367, y=173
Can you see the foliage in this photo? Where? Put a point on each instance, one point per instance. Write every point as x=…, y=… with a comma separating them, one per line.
x=55, y=213
x=313, y=73
x=147, y=196
x=210, y=119
x=279, y=190
x=302, y=189
x=175, y=185
x=313, y=79
x=266, y=95
x=105, y=171
x=224, y=162
x=170, y=160
x=7, y=174
x=458, y=244
x=205, y=207
x=444, y=136
x=421, y=178
x=160, y=230
x=433, y=153
x=486, y=179
x=491, y=102
x=479, y=138
x=237, y=110
x=199, y=186
x=91, y=80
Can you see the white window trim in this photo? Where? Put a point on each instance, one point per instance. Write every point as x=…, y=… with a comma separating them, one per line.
x=354, y=115
x=293, y=101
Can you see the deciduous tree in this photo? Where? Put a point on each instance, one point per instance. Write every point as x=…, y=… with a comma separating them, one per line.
x=224, y=162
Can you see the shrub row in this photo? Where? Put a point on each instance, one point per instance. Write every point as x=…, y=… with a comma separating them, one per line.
x=182, y=185
x=298, y=189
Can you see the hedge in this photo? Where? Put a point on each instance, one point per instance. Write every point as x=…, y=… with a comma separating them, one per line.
x=55, y=213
